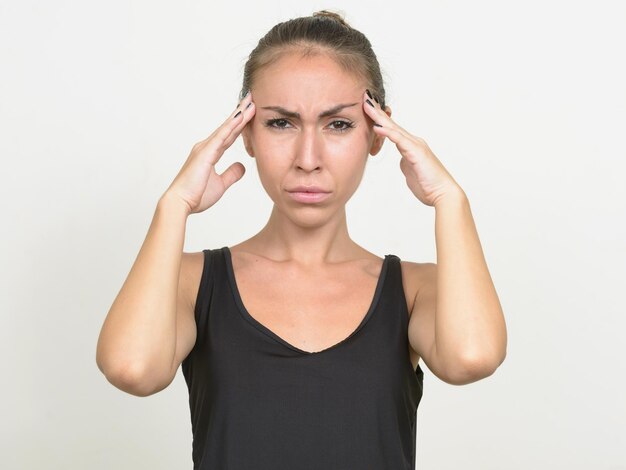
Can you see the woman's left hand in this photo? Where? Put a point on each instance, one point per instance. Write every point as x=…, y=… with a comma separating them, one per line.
x=426, y=177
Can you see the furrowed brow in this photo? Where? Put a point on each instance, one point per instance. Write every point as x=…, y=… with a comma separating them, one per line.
x=293, y=114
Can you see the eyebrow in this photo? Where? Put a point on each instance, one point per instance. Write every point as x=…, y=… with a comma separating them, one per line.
x=293, y=114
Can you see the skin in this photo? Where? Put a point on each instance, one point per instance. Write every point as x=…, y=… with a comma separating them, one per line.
x=456, y=321
x=309, y=150
x=312, y=241
x=292, y=274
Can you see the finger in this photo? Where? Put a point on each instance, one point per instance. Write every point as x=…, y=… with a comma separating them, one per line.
x=232, y=174
x=379, y=116
x=247, y=113
x=407, y=143
x=224, y=135
x=235, y=118
x=409, y=146
x=385, y=126
x=372, y=108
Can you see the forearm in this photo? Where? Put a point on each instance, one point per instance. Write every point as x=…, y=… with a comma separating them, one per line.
x=139, y=332
x=470, y=329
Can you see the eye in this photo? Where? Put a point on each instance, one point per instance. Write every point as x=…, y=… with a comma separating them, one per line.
x=347, y=124
x=336, y=126
x=271, y=122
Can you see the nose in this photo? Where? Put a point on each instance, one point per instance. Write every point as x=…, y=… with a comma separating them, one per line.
x=308, y=150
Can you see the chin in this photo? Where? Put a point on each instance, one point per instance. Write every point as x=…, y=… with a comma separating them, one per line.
x=305, y=215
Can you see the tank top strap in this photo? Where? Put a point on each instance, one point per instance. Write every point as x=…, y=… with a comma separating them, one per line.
x=396, y=296
x=210, y=278
x=398, y=293
x=399, y=286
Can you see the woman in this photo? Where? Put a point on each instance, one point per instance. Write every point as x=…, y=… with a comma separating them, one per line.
x=300, y=348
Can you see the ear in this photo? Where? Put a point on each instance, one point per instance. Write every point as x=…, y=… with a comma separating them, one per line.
x=247, y=139
x=377, y=144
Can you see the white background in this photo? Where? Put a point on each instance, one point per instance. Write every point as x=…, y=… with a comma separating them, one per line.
x=523, y=102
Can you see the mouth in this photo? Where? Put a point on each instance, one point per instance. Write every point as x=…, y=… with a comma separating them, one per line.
x=308, y=196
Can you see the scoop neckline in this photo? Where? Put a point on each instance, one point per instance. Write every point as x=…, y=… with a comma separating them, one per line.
x=261, y=327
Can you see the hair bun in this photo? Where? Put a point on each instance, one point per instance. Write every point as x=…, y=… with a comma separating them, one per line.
x=332, y=15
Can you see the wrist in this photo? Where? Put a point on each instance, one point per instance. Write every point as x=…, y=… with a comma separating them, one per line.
x=171, y=203
x=455, y=196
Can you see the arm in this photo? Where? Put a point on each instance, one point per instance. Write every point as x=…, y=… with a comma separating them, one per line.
x=469, y=328
x=456, y=324
x=137, y=344
x=150, y=327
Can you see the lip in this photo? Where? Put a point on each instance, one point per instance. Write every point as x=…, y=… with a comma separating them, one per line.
x=307, y=189
x=308, y=197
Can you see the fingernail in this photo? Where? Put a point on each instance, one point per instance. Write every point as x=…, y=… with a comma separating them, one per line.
x=370, y=103
x=369, y=94
x=236, y=114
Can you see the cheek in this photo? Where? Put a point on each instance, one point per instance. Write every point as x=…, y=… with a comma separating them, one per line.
x=265, y=145
x=354, y=146
x=272, y=158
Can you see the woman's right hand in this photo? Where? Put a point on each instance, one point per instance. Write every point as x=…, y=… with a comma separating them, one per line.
x=197, y=184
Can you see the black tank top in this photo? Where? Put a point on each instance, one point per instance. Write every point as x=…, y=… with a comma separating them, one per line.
x=258, y=402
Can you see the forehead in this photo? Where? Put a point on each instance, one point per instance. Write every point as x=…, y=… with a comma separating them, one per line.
x=293, y=78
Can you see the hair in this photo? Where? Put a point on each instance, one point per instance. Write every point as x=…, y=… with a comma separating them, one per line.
x=324, y=32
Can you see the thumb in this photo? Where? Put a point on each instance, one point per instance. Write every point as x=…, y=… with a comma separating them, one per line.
x=232, y=174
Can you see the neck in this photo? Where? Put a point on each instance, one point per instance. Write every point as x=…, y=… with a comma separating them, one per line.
x=312, y=240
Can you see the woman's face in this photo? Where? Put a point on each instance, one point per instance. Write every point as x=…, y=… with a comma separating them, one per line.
x=316, y=147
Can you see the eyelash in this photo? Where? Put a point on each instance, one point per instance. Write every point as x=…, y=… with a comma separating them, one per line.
x=270, y=123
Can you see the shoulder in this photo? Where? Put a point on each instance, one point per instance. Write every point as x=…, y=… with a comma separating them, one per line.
x=191, y=262
x=191, y=267
x=417, y=277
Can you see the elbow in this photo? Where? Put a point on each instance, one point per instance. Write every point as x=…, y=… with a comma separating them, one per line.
x=131, y=376
x=131, y=379
x=473, y=368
